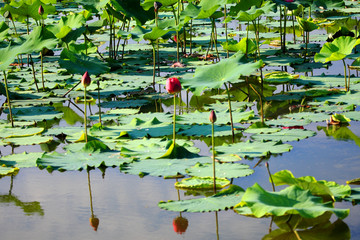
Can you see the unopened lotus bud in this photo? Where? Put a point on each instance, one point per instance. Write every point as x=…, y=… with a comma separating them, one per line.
x=86, y=80
x=157, y=6
x=41, y=10
x=212, y=116
x=173, y=85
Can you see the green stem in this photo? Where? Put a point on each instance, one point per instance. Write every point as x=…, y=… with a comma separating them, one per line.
x=174, y=120
x=348, y=78
x=213, y=152
x=271, y=179
x=42, y=70
x=226, y=32
x=345, y=76
x=154, y=63
x=98, y=84
x=261, y=103
x=8, y=99
x=230, y=112
x=33, y=72
x=85, y=117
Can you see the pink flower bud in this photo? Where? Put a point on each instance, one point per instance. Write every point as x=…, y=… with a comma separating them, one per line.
x=41, y=10
x=86, y=80
x=173, y=85
x=212, y=116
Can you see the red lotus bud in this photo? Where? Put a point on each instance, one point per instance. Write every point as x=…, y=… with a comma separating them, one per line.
x=157, y=6
x=173, y=85
x=175, y=39
x=212, y=116
x=180, y=224
x=41, y=10
x=94, y=222
x=86, y=80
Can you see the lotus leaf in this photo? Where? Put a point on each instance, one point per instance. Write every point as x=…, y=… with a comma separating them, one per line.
x=8, y=171
x=223, y=200
x=253, y=149
x=205, y=130
x=227, y=70
x=318, y=188
x=285, y=135
x=311, y=116
x=21, y=160
x=202, y=183
x=223, y=170
x=291, y=200
x=31, y=140
x=161, y=167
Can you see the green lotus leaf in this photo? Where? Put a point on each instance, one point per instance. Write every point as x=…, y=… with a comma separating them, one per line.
x=355, y=196
x=291, y=200
x=147, y=4
x=223, y=170
x=31, y=140
x=93, y=154
x=254, y=12
x=114, y=114
x=36, y=113
x=10, y=132
x=308, y=25
x=288, y=122
x=215, y=75
x=133, y=9
x=244, y=43
x=151, y=147
x=311, y=116
x=253, y=149
x=340, y=118
x=205, y=130
x=259, y=127
x=224, y=106
x=4, y=29
x=336, y=50
x=67, y=24
x=282, y=60
x=202, y=183
x=318, y=188
x=285, y=135
x=21, y=160
x=131, y=103
x=161, y=167
x=342, y=98
x=24, y=9
x=223, y=200
x=8, y=171
x=75, y=63
x=355, y=115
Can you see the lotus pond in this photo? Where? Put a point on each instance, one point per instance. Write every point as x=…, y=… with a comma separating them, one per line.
x=260, y=142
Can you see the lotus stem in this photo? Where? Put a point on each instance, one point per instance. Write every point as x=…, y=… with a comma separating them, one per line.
x=284, y=34
x=8, y=99
x=154, y=63
x=230, y=112
x=213, y=152
x=271, y=179
x=190, y=36
x=345, y=76
x=174, y=120
x=293, y=25
x=85, y=116
x=348, y=78
x=42, y=69
x=157, y=44
x=226, y=31
x=247, y=39
x=98, y=84
x=261, y=103
x=33, y=72
x=215, y=39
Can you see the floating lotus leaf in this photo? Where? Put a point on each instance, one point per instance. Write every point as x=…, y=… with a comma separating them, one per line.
x=291, y=200
x=323, y=81
x=9, y=132
x=343, y=98
x=223, y=170
x=285, y=135
x=355, y=115
x=114, y=114
x=145, y=117
x=259, y=127
x=222, y=117
x=318, y=188
x=23, y=9
x=335, y=108
x=224, y=106
x=341, y=118
x=253, y=149
x=288, y=122
x=227, y=70
x=36, y=113
x=283, y=60
x=21, y=160
x=161, y=167
x=8, y=171
x=202, y=183
x=313, y=117
x=125, y=103
x=31, y=140
x=93, y=154
x=205, y=130
x=151, y=147
x=223, y=200
x=355, y=196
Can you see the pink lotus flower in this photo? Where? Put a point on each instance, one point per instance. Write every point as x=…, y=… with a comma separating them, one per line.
x=173, y=85
x=86, y=80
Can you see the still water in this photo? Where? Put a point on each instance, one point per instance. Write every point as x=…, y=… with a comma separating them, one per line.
x=42, y=205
